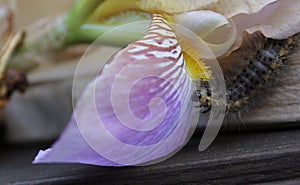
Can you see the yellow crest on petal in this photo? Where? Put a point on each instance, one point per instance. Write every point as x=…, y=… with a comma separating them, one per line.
x=196, y=69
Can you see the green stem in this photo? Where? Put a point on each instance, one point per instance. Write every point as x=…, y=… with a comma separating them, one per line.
x=108, y=35
x=53, y=36
x=75, y=28
x=80, y=12
x=118, y=30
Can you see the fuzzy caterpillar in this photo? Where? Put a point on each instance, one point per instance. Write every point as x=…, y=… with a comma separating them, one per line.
x=257, y=70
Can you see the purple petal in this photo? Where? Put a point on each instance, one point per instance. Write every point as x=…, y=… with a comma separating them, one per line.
x=138, y=110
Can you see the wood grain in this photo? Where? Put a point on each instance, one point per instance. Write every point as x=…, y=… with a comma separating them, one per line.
x=232, y=159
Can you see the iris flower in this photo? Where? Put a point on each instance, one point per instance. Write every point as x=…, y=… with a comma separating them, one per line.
x=139, y=108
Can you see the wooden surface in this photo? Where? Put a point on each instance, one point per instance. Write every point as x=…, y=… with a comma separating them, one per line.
x=241, y=158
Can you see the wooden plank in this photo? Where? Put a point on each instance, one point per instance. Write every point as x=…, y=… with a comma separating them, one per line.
x=232, y=159
x=285, y=182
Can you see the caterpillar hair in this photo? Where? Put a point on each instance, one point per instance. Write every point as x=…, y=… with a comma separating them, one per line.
x=249, y=71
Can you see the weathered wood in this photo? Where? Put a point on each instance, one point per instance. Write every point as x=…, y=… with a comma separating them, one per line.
x=232, y=159
x=285, y=182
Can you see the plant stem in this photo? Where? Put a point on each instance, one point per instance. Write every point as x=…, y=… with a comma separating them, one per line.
x=8, y=49
x=74, y=28
x=80, y=12
x=52, y=36
x=109, y=35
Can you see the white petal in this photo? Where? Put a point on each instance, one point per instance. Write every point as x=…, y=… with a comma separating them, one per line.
x=284, y=22
x=228, y=8
x=212, y=27
x=200, y=22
